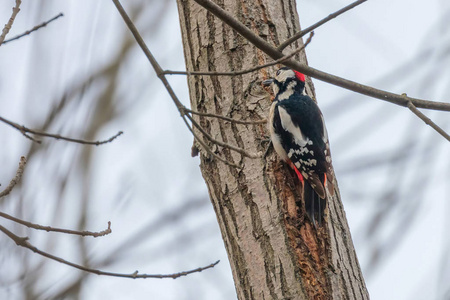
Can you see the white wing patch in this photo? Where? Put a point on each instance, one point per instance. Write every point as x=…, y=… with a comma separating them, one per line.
x=301, y=151
x=287, y=124
x=310, y=162
x=325, y=133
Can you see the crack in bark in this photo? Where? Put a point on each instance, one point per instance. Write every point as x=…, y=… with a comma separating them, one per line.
x=266, y=248
x=221, y=202
x=285, y=291
x=185, y=11
x=293, y=18
x=350, y=258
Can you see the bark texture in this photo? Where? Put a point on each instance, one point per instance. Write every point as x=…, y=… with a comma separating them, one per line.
x=274, y=251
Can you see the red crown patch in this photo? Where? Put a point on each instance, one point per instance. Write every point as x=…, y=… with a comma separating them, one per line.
x=299, y=76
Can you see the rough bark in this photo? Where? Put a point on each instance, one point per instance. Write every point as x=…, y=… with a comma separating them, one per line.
x=274, y=251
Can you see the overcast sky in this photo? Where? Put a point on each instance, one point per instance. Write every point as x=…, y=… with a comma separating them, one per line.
x=392, y=169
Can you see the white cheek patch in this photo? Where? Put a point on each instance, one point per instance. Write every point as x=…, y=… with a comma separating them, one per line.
x=287, y=124
x=285, y=74
x=288, y=92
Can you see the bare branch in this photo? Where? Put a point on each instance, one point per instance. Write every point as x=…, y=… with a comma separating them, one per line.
x=428, y=120
x=263, y=121
x=24, y=130
x=23, y=242
x=53, y=229
x=206, y=147
x=323, y=76
x=8, y=25
x=401, y=100
x=37, y=27
x=30, y=137
x=318, y=24
x=222, y=144
x=159, y=71
x=181, y=108
x=16, y=178
x=235, y=73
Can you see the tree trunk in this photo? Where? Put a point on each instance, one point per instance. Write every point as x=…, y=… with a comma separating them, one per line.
x=274, y=251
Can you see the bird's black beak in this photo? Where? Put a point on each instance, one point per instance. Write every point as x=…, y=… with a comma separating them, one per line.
x=268, y=82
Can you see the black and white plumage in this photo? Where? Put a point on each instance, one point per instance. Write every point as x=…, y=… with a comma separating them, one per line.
x=298, y=133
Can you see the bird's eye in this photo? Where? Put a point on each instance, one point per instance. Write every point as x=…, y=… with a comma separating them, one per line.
x=278, y=72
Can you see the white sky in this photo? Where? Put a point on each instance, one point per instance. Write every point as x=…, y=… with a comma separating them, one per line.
x=148, y=172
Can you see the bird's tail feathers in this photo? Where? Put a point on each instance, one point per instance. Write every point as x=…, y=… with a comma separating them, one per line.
x=314, y=205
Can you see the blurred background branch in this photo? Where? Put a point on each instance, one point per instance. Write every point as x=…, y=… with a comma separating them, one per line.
x=24, y=130
x=85, y=77
x=37, y=27
x=8, y=25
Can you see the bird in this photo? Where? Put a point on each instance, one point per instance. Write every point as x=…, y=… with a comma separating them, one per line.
x=299, y=137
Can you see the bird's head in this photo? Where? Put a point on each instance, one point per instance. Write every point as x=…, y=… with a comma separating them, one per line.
x=286, y=79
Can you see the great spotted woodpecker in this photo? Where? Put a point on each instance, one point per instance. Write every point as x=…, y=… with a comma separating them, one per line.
x=298, y=133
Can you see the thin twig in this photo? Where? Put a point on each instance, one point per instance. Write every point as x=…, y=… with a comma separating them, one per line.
x=263, y=121
x=53, y=229
x=37, y=27
x=23, y=242
x=16, y=179
x=207, y=148
x=428, y=121
x=318, y=24
x=261, y=44
x=323, y=76
x=241, y=72
x=24, y=130
x=160, y=73
x=30, y=137
x=8, y=25
x=222, y=144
